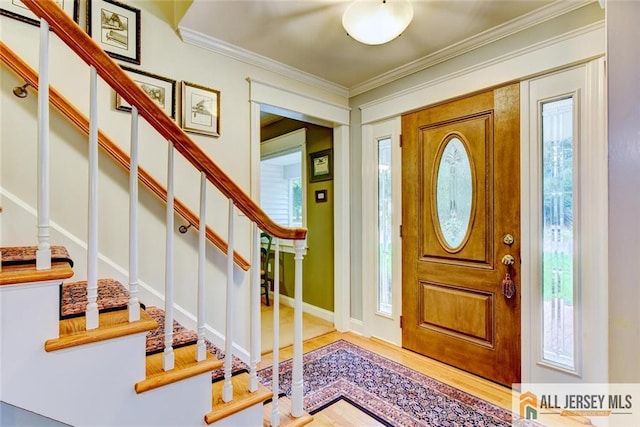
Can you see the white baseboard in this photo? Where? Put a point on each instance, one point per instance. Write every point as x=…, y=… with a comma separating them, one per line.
x=356, y=326
x=308, y=308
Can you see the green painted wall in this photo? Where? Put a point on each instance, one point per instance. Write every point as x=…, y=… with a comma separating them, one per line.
x=317, y=265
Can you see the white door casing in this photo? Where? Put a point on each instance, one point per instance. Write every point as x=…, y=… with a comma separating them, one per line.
x=585, y=83
x=314, y=110
x=377, y=324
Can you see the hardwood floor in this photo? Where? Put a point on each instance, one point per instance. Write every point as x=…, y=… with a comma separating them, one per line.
x=479, y=387
x=312, y=327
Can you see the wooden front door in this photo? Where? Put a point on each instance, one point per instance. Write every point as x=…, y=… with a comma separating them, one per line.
x=461, y=202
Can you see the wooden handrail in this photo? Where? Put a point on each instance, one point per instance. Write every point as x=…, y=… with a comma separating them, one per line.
x=22, y=69
x=89, y=51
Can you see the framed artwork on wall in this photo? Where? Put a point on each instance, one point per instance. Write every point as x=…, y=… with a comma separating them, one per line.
x=116, y=28
x=18, y=10
x=200, y=109
x=160, y=89
x=321, y=166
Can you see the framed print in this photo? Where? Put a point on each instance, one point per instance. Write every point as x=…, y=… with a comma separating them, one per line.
x=200, y=109
x=116, y=28
x=321, y=166
x=160, y=89
x=18, y=10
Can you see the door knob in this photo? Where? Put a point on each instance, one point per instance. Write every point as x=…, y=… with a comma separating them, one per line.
x=508, y=260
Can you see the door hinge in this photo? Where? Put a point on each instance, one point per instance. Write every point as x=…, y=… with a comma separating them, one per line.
x=401, y=231
x=400, y=137
x=401, y=322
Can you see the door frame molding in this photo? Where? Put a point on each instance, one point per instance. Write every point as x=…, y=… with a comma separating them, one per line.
x=393, y=129
x=570, y=49
x=591, y=229
x=314, y=110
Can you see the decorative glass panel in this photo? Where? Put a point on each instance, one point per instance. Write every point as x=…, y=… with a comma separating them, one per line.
x=454, y=193
x=558, y=232
x=385, y=211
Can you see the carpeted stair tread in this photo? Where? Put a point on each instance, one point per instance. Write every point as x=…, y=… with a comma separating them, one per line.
x=112, y=295
x=155, y=339
x=183, y=337
x=20, y=255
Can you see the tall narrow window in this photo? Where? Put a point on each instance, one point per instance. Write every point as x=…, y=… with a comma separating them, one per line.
x=558, y=232
x=385, y=215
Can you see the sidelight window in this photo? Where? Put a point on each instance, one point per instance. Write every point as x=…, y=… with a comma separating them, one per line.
x=385, y=216
x=558, y=192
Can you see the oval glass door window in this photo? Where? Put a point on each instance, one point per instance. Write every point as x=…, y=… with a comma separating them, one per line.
x=454, y=193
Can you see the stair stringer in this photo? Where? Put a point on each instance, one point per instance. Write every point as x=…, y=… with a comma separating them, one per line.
x=91, y=384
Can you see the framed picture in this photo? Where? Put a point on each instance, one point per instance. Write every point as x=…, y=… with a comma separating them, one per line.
x=321, y=166
x=18, y=10
x=116, y=28
x=160, y=89
x=200, y=109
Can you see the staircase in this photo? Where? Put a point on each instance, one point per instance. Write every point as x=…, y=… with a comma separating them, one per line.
x=89, y=352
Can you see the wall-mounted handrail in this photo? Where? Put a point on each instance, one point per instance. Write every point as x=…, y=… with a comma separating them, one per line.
x=66, y=108
x=89, y=51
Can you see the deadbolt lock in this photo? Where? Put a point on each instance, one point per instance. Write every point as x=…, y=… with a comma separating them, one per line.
x=508, y=239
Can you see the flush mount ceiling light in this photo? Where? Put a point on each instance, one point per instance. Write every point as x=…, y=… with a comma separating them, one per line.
x=377, y=21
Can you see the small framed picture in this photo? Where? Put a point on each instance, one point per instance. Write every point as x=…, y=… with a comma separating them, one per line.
x=116, y=28
x=18, y=10
x=160, y=89
x=321, y=196
x=200, y=109
x=321, y=166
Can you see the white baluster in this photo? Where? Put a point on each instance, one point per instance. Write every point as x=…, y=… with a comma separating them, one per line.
x=43, y=254
x=296, y=380
x=255, y=311
x=92, y=234
x=168, y=361
x=134, y=302
x=227, y=388
x=275, y=381
x=201, y=352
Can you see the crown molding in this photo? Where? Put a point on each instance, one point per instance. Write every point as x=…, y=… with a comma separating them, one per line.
x=227, y=49
x=507, y=29
x=494, y=34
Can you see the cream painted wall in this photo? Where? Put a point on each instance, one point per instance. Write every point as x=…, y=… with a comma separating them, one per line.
x=163, y=53
x=623, y=59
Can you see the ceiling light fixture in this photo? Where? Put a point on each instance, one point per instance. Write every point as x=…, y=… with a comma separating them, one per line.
x=377, y=22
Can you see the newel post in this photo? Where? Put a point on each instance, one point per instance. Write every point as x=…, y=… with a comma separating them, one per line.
x=297, y=389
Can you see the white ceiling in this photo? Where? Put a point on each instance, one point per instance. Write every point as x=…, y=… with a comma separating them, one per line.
x=306, y=37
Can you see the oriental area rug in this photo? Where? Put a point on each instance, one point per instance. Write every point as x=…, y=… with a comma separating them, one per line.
x=387, y=391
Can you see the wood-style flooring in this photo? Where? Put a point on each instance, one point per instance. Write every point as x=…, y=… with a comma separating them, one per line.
x=344, y=414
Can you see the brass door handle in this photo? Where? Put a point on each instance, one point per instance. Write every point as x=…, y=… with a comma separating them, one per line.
x=507, y=285
x=508, y=260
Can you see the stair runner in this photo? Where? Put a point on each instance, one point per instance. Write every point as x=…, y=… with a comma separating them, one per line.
x=112, y=295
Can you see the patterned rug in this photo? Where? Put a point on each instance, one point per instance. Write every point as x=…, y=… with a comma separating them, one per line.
x=391, y=393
